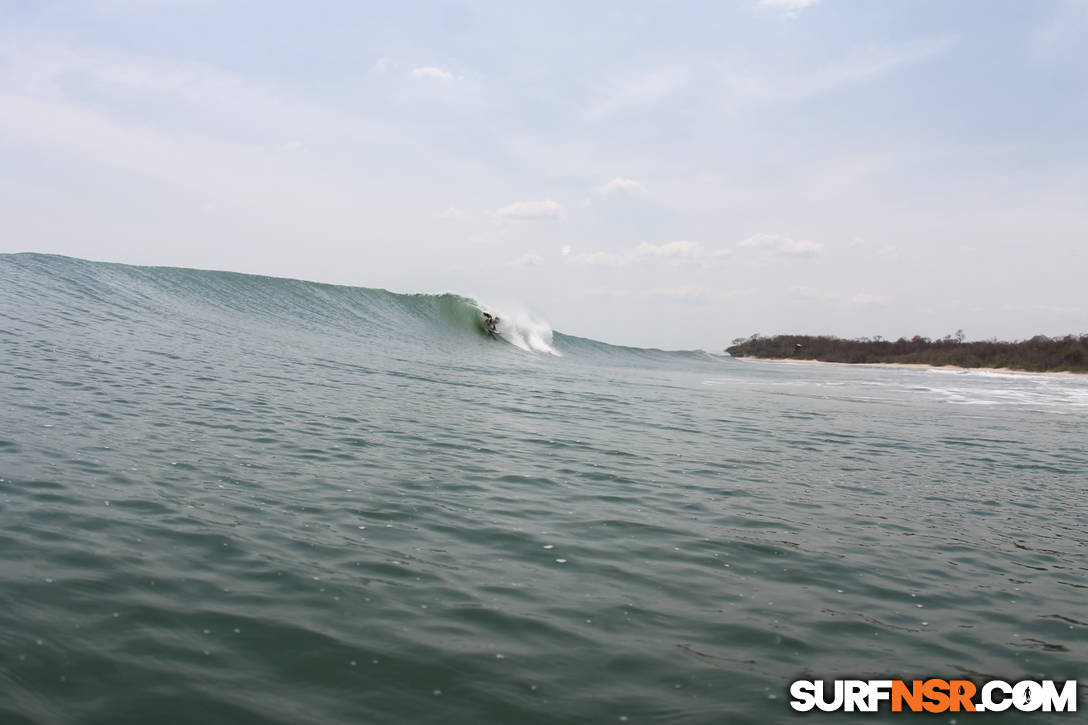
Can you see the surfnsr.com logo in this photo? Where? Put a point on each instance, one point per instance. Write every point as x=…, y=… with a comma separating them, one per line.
x=933, y=695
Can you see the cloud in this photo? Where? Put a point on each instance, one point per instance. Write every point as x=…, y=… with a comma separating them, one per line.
x=433, y=72
x=43, y=71
x=673, y=254
x=862, y=299
x=620, y=185
x=783, y=245
x=862, y=245
x=789, y=4
x=642, y=90
x=683, y=293
x=809, y=294
x=542, y=210
x=600, y=259
x=651, y=86
x=1062, y=37
x=1059, y=310
x=453, y=214
x=790, y=7
x=604, y=293
x=856, y=68
x=529, y=260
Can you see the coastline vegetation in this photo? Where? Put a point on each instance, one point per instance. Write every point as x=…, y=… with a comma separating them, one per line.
x=1038, y=354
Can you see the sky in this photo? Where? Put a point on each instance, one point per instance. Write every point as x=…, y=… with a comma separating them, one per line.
x=660, y=174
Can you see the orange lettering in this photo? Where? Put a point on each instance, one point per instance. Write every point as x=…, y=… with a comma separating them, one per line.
x=912, y=696
x=961, y=692
x=937, y=692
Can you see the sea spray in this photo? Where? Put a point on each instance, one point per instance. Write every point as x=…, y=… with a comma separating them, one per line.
x=521, y=329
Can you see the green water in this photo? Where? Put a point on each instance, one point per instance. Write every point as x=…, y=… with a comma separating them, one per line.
x=236, y=499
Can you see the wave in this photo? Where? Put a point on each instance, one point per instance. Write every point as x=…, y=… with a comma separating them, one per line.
x=85, y=292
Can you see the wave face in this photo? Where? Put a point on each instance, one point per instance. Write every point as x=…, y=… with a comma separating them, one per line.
x=253, y=304
x=237, y=499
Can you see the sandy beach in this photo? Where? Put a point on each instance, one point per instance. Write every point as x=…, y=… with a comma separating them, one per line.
x=915, y=366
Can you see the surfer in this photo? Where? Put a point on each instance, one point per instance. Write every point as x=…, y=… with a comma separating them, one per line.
x=492, y=323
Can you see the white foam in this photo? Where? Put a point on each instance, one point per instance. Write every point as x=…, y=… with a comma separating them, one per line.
x=522, y=330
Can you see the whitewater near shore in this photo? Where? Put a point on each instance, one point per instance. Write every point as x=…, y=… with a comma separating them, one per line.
x=916, y=366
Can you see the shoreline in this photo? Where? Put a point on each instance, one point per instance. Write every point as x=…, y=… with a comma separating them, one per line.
x=916, y=366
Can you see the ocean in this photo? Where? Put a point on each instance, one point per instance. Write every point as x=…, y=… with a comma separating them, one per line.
x=228, y=498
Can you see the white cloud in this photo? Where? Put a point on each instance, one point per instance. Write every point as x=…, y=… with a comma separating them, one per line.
x=784, y=245
x=40, y=70
x=673, y=254
x=604, y=293
x=861, y=299
x=1059, y=310
x=809, y=294
x=545, y=209
x=790, y=7
x=217, y=141
x=863, y=245
x=432, y=72
x=642, y=90
x=870, y=64
x=856, y=68
x=791, y=4
x=620, y=185
x=453, y=214
x=866, y=300
x=653, y=85
x=600, y=259
x=529, y=260
x=683, y=293
x=1062, y=36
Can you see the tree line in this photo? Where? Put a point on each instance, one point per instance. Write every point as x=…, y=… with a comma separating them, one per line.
x=1039, y=354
